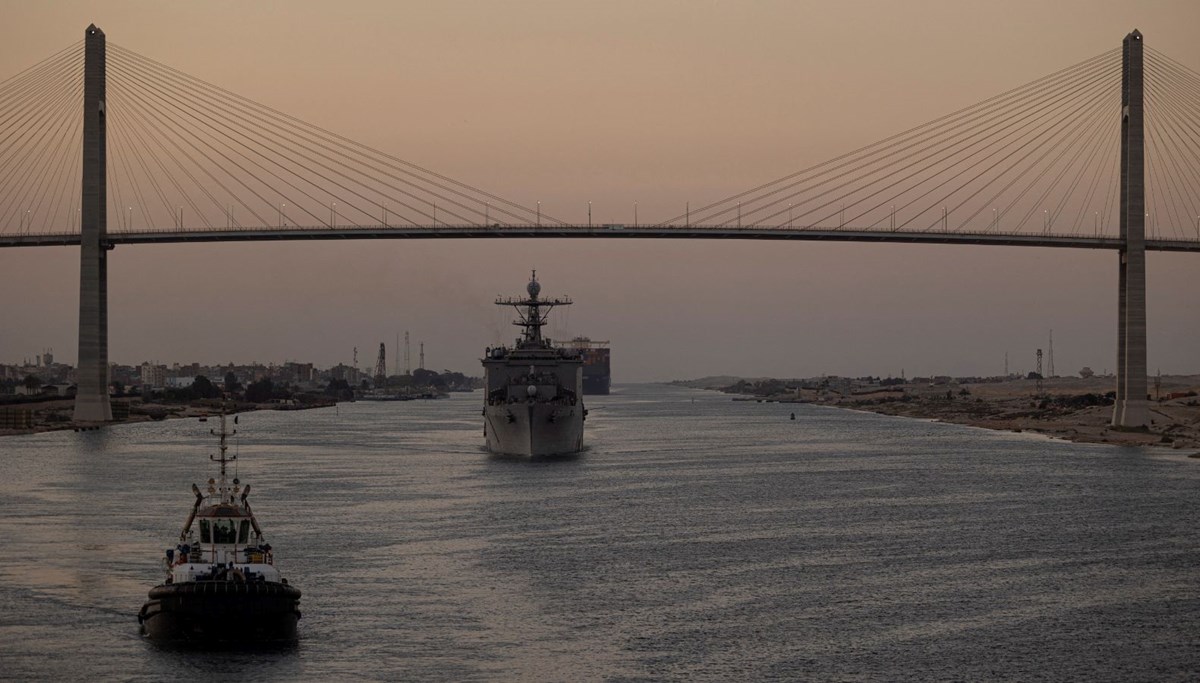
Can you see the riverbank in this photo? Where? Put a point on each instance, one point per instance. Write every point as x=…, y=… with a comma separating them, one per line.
x=1074, y=409
x=55, y=415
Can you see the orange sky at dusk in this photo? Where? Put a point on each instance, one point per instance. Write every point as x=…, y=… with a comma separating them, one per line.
x=659, y=103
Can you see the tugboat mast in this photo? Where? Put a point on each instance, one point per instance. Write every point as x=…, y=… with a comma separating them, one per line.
x=530, y=313
x=223, y=486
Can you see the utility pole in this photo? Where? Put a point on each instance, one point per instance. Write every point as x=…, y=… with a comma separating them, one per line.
x=1038, y=373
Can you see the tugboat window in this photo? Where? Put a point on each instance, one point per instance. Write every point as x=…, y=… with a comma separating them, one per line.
x=204, y=535
x=224, y=531
x=244, y=532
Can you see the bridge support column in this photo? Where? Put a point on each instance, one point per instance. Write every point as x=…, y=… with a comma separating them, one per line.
x=1132, y=406
x=91, y=399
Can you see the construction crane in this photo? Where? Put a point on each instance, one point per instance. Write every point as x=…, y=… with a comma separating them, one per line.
x=381, y=366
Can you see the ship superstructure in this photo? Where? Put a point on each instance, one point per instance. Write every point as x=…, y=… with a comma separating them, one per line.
x=221, y=583
x=533, y=403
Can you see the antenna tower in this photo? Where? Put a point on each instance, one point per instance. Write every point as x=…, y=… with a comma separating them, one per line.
x=1050, y=366
x=1039, y=371
x=422, y=355
x=381, y=366
x=407, y=355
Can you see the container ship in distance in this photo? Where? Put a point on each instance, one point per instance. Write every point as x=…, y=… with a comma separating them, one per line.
x=533, y=404
x=597, y=375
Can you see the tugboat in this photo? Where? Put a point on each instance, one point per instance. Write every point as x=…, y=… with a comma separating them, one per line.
x=222, y=586
x=534, y=401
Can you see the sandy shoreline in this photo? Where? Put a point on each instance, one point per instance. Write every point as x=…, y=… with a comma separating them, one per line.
x=1073, y=409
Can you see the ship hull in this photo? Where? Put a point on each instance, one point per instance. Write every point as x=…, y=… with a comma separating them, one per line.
x=533, y=429
x=595, y=385
x=221, y=611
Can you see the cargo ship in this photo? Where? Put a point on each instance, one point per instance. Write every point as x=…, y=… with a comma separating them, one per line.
x=533, y=404
x=597, y=376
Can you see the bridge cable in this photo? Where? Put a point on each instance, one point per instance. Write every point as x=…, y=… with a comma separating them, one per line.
x=974, y=126
x=363, y=150
x=446, y=200
x=977, y=128
x=174, y=122
x=903, y=134
x=1024, y=122
x=1015, y=121
x=217, y=113
x=36, y=175
x=51, y=113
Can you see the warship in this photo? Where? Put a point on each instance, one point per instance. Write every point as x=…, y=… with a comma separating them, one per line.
x=222, y=587
x=533, y=404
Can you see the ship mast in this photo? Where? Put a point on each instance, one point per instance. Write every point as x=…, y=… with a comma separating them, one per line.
x=223, y=486
x=532, y=313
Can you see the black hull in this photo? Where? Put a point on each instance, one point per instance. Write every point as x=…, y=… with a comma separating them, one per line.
x=221, y=611
x=595, y=385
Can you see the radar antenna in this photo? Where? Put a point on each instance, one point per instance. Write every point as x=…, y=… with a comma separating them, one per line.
x=532, y=312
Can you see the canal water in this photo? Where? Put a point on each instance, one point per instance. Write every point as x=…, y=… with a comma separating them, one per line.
x=697, y=538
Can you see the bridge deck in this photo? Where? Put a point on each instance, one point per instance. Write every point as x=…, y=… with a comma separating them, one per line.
x=596, y=232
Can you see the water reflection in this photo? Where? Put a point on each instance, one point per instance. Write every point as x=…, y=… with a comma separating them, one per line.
x=694, y=538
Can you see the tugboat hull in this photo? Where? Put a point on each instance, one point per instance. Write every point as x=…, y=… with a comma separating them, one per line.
x=221, y=611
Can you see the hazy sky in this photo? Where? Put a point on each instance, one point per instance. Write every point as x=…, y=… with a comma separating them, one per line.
x=611, y=102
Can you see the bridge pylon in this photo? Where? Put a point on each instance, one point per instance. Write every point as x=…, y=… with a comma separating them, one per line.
x=1132, y=407
x=91, y=398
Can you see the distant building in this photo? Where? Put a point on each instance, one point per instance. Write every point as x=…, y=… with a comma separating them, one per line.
x=153, y=375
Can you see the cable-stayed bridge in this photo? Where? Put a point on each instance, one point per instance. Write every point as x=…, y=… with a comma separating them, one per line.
x=1102, y=154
